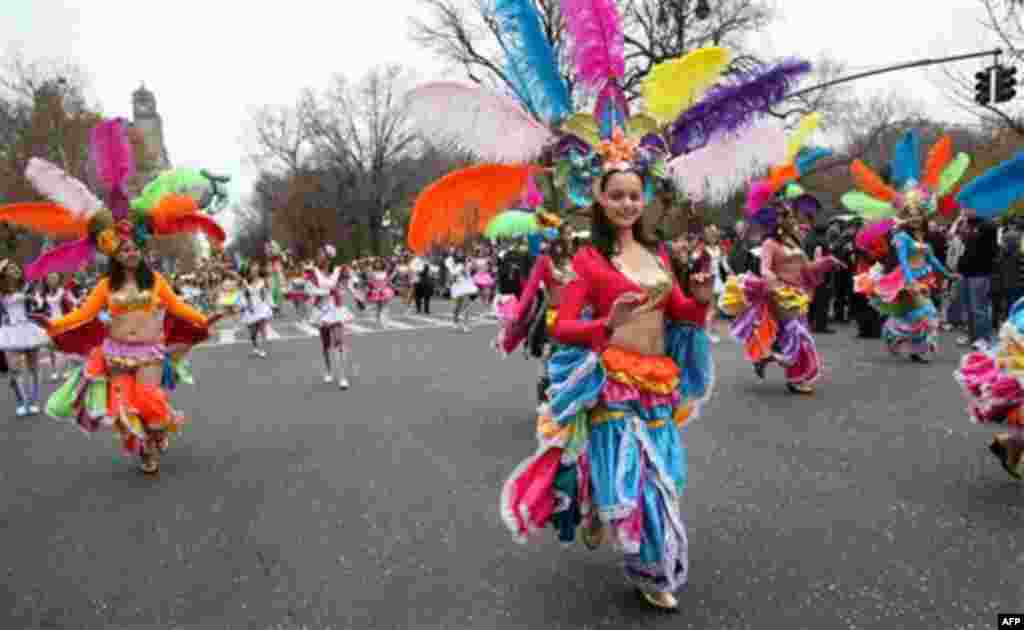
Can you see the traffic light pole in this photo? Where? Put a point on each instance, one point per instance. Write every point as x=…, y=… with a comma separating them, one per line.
x=903, y=66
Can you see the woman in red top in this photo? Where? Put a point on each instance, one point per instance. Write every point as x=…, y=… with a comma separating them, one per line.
x=612, y=456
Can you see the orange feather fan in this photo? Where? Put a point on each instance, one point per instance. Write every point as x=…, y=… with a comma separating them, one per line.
x=939, y=156
x=464, y=202
x=170, y=209
x=46, y=218
x=869, y=182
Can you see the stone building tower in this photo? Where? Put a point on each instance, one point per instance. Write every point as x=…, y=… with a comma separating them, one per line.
x=147, y=121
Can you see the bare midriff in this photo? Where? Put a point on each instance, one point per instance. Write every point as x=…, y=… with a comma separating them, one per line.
x=643, y=333
x=137, y=327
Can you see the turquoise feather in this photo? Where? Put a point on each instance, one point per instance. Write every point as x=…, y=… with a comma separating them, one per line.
x=906, y=163
x=808, y=157
x=530, y=61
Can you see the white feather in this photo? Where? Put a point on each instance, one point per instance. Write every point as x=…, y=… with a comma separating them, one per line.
x=728, y=163
x=61, y=188
x=493, y=128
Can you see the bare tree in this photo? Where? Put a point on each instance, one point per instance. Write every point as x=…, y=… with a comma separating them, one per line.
x=466, y=34
x=361, y=133
x=1004, y=21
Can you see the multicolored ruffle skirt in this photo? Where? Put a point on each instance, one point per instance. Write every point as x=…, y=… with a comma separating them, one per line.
x=611, y=447
x=992, y=379
x=912, y=321
x=773, y=325
x=105, y=393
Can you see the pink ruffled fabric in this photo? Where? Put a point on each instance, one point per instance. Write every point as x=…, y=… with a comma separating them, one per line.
x=992, y=393
x=616, y=392
x=890, y=285
x=528, y=498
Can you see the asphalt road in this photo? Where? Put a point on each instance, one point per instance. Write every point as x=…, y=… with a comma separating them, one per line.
x=290, y=504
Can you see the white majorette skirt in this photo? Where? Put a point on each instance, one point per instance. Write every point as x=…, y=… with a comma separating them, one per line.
x=464, y=287
x=258, y=313
x=23, y=336
x=328, y=314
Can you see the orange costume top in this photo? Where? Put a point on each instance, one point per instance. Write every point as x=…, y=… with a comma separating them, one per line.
x=148, y=300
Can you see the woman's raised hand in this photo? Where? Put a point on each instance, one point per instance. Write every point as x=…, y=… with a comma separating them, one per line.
x=624, y=307
x=41, y=320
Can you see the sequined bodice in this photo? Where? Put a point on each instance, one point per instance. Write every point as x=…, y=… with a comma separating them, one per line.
x=655, y=281
x=130, y=298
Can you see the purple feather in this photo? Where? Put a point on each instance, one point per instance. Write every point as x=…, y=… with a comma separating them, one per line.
x=654, y=142
x=112, y=156
x=611, y=110
x=65, y=258
x=728, y=108
x=568, y=142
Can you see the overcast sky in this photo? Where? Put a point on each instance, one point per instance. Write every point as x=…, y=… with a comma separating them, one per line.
x=210, y=62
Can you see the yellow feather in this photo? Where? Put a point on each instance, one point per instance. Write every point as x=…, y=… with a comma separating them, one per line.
x=583, y=126
x=675, y=85
x=640, y=125
x=797, y=139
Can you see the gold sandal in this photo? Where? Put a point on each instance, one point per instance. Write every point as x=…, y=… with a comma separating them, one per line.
x=592, y=537
x=803, y=390
x=150, y=464
x=671, y=606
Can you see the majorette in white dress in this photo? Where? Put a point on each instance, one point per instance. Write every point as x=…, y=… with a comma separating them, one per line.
x=18, y=333
x=256, y=301
x=463, y=284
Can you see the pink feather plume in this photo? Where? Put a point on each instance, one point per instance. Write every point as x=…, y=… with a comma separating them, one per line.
x=599, y=49
x=65, y=258
x=112, y=153
x=760, y=192
x=534, y=197
x=61, y=188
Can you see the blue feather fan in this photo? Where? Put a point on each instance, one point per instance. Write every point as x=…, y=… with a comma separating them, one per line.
x=994, y=192
x=530, y=61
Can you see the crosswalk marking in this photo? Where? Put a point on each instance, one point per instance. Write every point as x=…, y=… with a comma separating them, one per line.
x=430, y=321
x=287, y=330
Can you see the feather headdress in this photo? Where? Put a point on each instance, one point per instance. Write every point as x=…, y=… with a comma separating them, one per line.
x=78, y=214
x=912, y=186
x=779, y=192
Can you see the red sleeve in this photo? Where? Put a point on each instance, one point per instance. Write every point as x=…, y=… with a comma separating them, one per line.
x=540, y=273
x=569, y=328
x=681, y=308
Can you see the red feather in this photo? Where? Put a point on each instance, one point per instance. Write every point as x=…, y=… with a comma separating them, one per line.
x=193, y=223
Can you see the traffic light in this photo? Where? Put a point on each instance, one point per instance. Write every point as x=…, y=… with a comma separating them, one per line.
x=983, y=88
x=1006, y=81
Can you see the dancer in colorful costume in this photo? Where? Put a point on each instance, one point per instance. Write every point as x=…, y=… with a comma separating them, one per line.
x=532, y=316
x=771, y=309
x=611, y=451
x=900, y=283
x=122, y=383
x=993, y=379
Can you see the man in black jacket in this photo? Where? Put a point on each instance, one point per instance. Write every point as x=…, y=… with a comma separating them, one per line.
x=822, y=298
x=741, y=257
x=981, y=247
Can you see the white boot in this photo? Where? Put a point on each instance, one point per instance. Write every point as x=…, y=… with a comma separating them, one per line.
x=339, y=369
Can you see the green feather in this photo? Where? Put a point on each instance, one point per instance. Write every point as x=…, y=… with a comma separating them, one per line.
x=867, y=206
x=953, y=172
x=182, y=181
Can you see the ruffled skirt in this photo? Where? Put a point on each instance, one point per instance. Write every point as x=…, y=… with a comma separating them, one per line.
x=912, y=321
x=611, y=447
x=22, y=337
x=483, y=280
x=773, y=325
x=380, y=294
x=991, y=380
x=105, y=393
